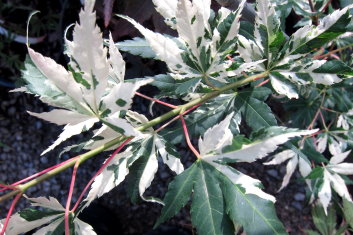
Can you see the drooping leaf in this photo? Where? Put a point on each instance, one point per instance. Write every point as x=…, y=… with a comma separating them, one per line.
x=208, y=206
x=142, y=170
x=325, y=223
x=51, y=215
x=348, y=211
x=294, y=161
x=112, y=175
x=255, y=214
x=178, y=194
x=169, y=154
x=260, y=148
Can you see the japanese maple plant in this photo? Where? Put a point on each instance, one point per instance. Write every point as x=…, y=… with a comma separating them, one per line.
x=225, y=71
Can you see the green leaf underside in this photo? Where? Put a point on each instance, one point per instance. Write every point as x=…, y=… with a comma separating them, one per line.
x=31, y=214
x=168, y=86
x=137, y=168
x=137, y=46
x=218, y=205
x=249, y=102
x=37, y=84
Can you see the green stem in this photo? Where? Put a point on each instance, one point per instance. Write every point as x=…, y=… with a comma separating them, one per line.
x=23, y=187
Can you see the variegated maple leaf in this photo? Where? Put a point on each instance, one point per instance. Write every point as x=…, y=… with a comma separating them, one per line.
x=288, y=60
x=51, y=215
x=294, y=160
x=222, y=195
x=331, y=177
x=201, y=46
x=92, y=90
x=140, y=160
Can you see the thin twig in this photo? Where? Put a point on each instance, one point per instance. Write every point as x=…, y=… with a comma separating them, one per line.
x=326, y=6
x=9, y=213
x=186, y=133
x=44, y=171
x=323, y=121
x=176, y=118
x=262, y=83
x=312, y=8
x=332, y=52
x=156, y=100
x=5, y=187
x=100, y=171
x=69, y=197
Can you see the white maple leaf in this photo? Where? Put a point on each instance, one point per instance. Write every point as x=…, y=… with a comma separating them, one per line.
x=18, y=224
x=93, y=97
x=219, y=136
x=116, y=171
x=332, y=179
x=345, y=120
x=167, y=9
x=334, y=143
x=191, y=20
x=109, y=179
x=294, y=161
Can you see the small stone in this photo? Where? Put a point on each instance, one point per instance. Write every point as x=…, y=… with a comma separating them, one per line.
x=18, y=136
x=11, y=111
x=299, y=197
x=297, y=205
x=44, y=160
x=164, y=175
x=273, y=173
x=38, y=124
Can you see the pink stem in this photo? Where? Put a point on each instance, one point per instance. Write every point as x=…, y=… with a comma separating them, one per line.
x=230, y=58
x=192, y=108
x=156, y=100
x=13, y=204
x=263, y=83
x=44, y=171
x=325, y=7
x=188, y=138
x=38, y=174
x=68, y=202
x=100, y=171
x=177, y=117
x=7, y=186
